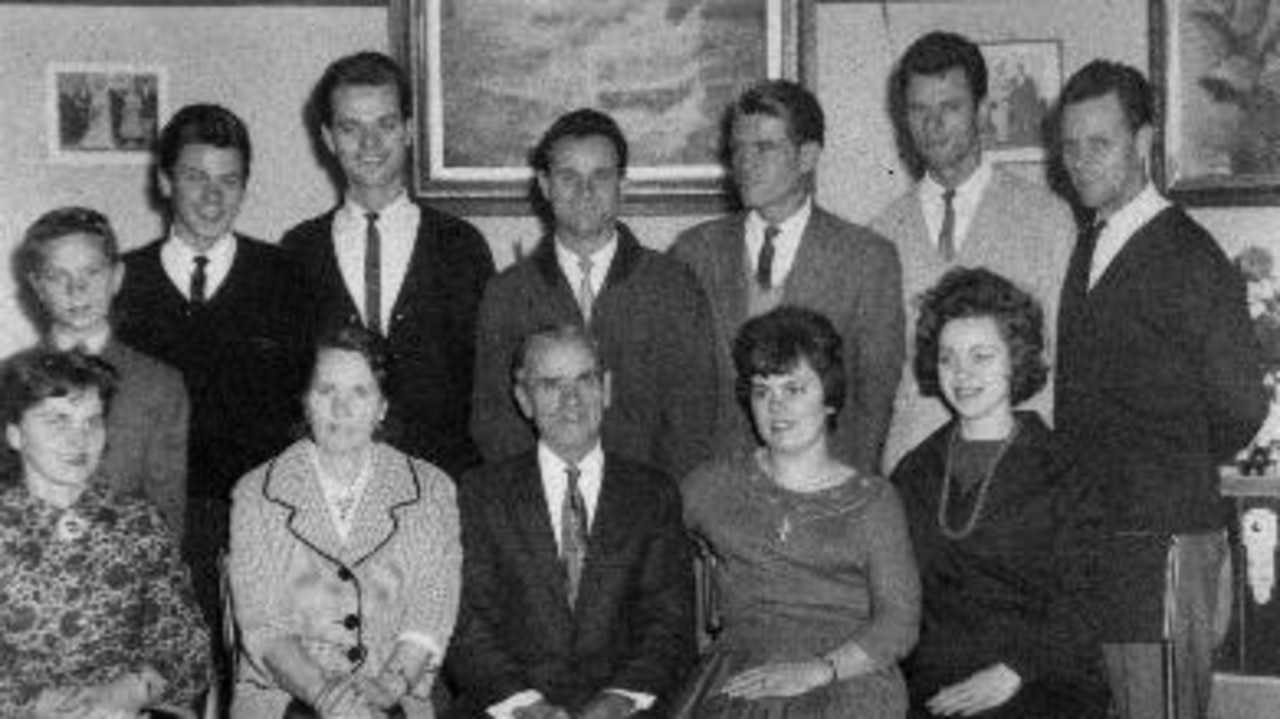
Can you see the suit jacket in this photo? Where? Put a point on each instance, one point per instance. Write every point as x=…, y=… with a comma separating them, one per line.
x=632, y=628
x=842, y=270
x=147, y=432
x=1159, y=374
x=1021, y=231
x=243, y=355
x=349, y=602
x=430, y=335
x=653, y=327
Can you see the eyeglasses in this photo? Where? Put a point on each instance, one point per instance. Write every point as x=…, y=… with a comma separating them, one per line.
x=588, y=380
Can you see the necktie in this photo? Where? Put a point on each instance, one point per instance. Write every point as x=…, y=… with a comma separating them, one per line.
x=373, y=275
x=586, y=296
x=573, y=533
x=199, y=280
x=764, y=267
x=946, y=238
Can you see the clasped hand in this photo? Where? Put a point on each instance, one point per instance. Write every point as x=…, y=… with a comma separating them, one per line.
x=781, y=679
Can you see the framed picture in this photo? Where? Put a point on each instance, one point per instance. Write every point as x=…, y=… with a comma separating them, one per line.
x=103, y=113
x=1216, y=66
x=491, y=75
x=1024, y=77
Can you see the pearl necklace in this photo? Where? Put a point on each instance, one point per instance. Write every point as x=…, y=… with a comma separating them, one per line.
x=984, y=488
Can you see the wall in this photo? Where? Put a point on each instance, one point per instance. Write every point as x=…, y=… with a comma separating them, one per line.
x=262, y=61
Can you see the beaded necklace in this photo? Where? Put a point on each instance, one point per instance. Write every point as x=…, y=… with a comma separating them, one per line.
x=984, y=487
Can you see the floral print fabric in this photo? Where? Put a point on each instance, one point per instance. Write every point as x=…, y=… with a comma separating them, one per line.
x=90, y=593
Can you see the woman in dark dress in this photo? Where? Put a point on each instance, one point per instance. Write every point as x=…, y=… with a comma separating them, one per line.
x=819, y=593
x=1006, y=534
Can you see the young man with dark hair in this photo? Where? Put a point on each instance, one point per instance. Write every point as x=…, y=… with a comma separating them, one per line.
x=785, y=249
x=644, y=309
x=227, y=311
x=390, y=263
x=1159, y=382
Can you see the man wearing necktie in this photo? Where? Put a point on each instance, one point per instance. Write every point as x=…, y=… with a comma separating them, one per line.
x=384, y=260
x=1159, y=382
x=963, y=210
x=785, y=249
x=645, y=309
x=227, y=311
x=577, y=584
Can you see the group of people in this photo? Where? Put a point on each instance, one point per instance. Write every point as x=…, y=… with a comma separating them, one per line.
x=360, y=474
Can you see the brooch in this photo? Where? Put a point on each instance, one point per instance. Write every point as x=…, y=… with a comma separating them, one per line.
x=71, y=527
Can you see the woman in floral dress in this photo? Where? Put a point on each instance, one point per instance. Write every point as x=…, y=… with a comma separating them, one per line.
x=812, y=563
x=97, y=618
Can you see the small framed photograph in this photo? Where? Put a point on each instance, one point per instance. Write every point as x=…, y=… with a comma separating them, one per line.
x=491, y=76
x=1024, y=78
x=103, y=113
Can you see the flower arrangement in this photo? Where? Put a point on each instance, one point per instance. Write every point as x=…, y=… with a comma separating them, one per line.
x=1257, y=266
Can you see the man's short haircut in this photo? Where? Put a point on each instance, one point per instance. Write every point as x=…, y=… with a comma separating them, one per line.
x=785, y=100
x=581, y=123
x=56, y=224
x=363, y=69
x=939, y=52
x=1103, y=77
x=566, y=333
x=202, y=124
x=966, y=293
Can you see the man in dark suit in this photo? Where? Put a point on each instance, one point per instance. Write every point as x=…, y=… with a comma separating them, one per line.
x=70, y=266
x=577, y=586
x=405, y=271
x=644, y=309
x=227, y=311
x=784, y=249
x=1159, y=382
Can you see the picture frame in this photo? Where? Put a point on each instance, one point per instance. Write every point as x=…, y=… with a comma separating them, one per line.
x=103, y=113
x=491, y=75
x=1024, y=78
x=1216, y=71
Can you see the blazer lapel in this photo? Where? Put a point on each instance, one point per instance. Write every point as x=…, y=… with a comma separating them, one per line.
x=807, y=284
x=420, y=275
x=393, y=487
x=730, y=275
x=292, y=485
x=330, y=276
x=531, y=521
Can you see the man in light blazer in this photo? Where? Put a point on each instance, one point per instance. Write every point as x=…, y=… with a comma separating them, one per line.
x=69, y=262
x=998, y=220
x=785, y=249
x=577, y=578
x=423, y=269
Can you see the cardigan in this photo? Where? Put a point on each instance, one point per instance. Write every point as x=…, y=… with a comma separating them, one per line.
x=1021, y=231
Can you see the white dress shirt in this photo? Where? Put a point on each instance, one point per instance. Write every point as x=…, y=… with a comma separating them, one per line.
x=179, y=260
x=964, y=204
x=785, y=244
x=601, y=261
x=1121, y=226
x=398, y=231
x=555, y=483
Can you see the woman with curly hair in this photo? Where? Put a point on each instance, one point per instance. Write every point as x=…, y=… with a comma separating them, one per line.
x=1004, y=528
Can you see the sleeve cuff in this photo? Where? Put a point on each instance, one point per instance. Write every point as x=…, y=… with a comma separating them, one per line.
x=426, y=641
x=519, y=700
x=641, y=700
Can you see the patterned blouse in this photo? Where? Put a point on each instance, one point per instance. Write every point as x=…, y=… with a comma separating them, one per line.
x=90, y=593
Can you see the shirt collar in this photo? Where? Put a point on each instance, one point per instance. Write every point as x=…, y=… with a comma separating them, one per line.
x=1145, y=205
x=793, y=226
x=397, y=207
x=552, y=464
x=94, y=343
x=219, y=253
x=601, y=259
x=967, y=191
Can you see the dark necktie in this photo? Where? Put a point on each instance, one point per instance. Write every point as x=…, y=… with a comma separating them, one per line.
x=764, y=268
x=373, y=275
x=1076, y=284
x=573, y=533
x=947, y=237
x=199, y=280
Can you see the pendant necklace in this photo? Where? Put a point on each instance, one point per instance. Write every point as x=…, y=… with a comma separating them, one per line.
x=984, y=488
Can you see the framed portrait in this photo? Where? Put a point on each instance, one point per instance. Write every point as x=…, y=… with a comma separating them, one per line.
x=1216, y=68
x=490, y=76
x=103, y=113
x=1024, y=77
